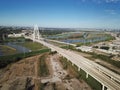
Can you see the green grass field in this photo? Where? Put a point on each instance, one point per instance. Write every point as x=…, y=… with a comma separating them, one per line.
x=14, y=39
x=57, y=44
x=32, y=45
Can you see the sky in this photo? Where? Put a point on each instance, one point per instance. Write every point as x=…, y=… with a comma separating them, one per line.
x=61, y=13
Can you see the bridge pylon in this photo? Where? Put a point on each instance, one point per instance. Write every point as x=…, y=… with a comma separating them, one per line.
x=36, y=34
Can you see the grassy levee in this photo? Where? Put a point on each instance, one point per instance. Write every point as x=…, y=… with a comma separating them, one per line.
x=64, y=62
x=107, y=59
x=6, y=50
x=32, y=45
x=43, y=68
x=13, y=39
x=5, y=60
x=94, y=83
x=81, y=75
x=68, y=47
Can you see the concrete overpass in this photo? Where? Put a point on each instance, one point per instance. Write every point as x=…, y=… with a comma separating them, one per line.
x=96, y=71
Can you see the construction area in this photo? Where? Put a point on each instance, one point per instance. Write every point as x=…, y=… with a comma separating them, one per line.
x=41, y=72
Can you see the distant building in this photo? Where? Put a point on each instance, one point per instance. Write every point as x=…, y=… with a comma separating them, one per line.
x=27, y=32
x=16, y=35
x=85, y=48
x=114, y=47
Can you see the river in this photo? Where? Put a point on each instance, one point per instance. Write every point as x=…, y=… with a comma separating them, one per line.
x=84, y=40
x=19, y=48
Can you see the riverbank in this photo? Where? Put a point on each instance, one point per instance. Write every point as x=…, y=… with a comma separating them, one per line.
x=7, y=50
x=20, y=47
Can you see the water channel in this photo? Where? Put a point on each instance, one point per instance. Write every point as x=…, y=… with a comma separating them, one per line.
x=19, y=48
x=84, y=40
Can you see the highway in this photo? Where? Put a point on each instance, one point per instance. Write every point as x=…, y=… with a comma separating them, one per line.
x=96, y=71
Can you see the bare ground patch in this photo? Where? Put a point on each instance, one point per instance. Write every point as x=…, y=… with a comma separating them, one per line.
x=19, y=76
x=24, y=75
x=61, y=79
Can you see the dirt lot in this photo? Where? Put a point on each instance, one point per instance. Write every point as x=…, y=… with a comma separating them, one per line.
x=58, y=80
x=19, y=76
x=23, y=75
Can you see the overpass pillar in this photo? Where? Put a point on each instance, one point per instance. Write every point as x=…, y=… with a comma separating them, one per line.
x=86, y=75
x=78, y=69
x=103, y=87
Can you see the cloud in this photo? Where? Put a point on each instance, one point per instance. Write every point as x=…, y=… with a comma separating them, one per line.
x=102, y=1
x=112, y=1
x=113, y=12
x=108, y=1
